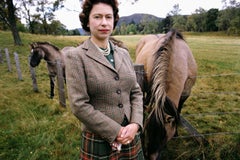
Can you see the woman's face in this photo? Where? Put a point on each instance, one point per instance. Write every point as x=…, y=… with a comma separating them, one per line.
x=101, y=21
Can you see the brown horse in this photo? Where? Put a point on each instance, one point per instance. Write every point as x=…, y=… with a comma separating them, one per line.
x=171, y=72
x=50, y=53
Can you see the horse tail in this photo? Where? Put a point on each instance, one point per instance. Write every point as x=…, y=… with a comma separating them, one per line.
x=159, y=101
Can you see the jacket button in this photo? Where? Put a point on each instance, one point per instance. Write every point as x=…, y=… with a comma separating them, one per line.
x=120, y=105
x=118, y=91
x=116, y=78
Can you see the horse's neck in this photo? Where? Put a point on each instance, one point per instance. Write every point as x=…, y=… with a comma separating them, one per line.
x=51, y=54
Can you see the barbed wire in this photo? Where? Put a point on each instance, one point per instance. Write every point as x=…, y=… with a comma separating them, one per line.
x=219, y=75
x=206, y=93
x=209, y=114
x=203, y=76
x=189, y=115
x=206, y=134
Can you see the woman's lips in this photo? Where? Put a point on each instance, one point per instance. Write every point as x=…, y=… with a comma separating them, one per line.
x=104, y=30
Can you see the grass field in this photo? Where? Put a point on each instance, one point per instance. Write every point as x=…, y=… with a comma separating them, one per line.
x=34, y=127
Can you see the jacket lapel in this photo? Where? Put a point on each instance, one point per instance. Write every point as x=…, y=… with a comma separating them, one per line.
x=117, y=58
x=95, y=54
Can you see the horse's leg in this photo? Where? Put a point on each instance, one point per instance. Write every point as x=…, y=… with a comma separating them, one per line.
x=183, y=98
x=186, y=92
x=181, y=102
x=180, y=106
x=52, y=77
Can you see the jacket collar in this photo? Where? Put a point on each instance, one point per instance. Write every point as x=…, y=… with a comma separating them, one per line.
x=95, y=54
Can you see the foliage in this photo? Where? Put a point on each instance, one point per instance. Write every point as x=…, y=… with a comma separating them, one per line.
x=211, y=19
x=39, y=14
x=8, y=16
x=36, y=127
x=227, y=20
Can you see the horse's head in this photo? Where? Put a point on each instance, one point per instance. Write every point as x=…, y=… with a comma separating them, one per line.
x=36, y=55
x=161, y=126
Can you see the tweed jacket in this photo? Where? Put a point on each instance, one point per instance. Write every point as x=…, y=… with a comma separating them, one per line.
x=99, y=94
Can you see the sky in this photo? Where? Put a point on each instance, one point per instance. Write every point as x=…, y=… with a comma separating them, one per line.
x=69, y=15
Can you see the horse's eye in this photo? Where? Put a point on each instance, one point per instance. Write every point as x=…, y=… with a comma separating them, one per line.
x=170, y=119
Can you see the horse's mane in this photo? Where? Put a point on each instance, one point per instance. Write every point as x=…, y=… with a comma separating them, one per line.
x=118, y=43
x=179, y=35
x=159, y=99
x=46, y=43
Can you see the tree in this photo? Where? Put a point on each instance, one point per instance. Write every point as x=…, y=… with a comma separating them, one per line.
x=228, y=19
x=26, y=13
x=198, y=20
x=8, y=16
x=211, y=18
x=179, y=22
x=166, y=24
x=39, y=12
x=132, y=29
x=57, y=28
x=176, y=10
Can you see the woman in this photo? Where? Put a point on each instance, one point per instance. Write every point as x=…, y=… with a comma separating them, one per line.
x=102, y=88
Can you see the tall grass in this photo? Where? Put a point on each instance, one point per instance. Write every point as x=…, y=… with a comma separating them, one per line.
x=36, y=127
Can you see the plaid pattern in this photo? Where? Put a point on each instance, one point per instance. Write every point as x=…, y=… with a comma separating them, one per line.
x=95, y=148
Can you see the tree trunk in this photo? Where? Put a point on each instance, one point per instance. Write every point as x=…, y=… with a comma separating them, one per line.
x=12, y=22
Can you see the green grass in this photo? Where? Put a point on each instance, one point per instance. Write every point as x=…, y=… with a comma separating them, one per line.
x=36, y=127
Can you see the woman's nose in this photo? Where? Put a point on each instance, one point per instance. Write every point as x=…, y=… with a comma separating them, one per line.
x=104, y=21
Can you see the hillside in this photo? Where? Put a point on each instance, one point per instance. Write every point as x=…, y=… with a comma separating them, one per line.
x=137, y=18
x=134, y=18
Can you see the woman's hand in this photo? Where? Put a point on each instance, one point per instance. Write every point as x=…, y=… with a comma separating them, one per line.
x=127, y=133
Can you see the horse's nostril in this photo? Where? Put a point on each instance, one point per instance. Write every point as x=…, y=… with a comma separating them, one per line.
x=33, y=64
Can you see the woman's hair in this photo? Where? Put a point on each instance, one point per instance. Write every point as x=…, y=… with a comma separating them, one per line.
x=87, y=7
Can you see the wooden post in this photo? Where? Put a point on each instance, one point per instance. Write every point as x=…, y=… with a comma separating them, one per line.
x=8, y=60
x=1, y=57
x=60, y=79
x=33, y=76
x=18, y=66
x=139, y=69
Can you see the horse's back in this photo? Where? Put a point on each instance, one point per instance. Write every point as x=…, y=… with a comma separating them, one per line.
x=148, y=41
x=145, y=49
x=67, y=49
x=182, y=71
x=182, y=68
x=64, y=52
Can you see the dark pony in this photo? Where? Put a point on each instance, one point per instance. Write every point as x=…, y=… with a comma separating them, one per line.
x=50, y=53
x=170, y=74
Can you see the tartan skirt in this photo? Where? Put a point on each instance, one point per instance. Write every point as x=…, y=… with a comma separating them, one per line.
x=94, y=148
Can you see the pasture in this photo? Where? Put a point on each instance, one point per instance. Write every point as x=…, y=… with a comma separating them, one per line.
x=36, y=127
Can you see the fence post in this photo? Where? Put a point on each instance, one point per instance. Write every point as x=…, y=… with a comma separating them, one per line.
x=139, y=70
x=60, y=79
x=33, y=76
x=18, y=66
x=1, y=57
x=8, y=60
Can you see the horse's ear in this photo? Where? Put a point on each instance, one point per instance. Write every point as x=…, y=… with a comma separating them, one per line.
x=33, y=45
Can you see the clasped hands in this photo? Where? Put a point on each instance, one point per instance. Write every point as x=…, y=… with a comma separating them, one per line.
x=125, y=136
